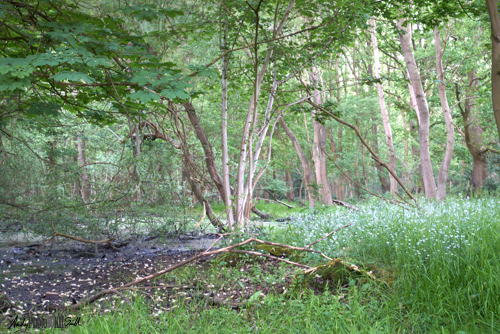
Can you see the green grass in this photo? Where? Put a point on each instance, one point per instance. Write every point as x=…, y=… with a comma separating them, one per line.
x=368, y=311
x=276, y=210
x=446, y=259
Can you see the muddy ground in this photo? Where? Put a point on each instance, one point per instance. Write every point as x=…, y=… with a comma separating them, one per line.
x=65, y=274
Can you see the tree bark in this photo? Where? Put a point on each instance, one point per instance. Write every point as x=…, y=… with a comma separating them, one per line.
x=207, y=147
x=199, y=196
x=495, y=59
x=336, y=149
x=473, y=133
x=384, y=184
x=241, y=190
x=450, y=132
x=77, y=191
x=303, y=161
x=319, y=146
x=226, y=186
x=423, y=110
x=290, y=196
x=383, y=110
x=85, y=191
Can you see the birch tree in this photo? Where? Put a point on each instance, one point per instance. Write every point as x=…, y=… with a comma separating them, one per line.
x=423, y=110
x=383, y=109
x=450, y=132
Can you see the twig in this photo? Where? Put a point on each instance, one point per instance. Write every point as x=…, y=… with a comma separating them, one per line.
x=269, y=256
x=378, y=196
x=43, y=245
x=277, y=200
x=272, y=200
x=123, y=296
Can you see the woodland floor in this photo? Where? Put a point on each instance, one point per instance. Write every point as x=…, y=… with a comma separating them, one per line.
x=52, y=278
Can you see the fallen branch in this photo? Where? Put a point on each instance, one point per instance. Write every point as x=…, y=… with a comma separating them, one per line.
x=123, y=296
x=272, y=200
x=270, y=256
x=344, y=204
x=304, y=249
x=206, y=253
x=278, y=201
x=259, y=213
x=57, y=234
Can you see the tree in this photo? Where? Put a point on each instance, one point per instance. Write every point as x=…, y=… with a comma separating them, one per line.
x=492, y=7
x=383, y=109
x=450, y=133
x=423, y=111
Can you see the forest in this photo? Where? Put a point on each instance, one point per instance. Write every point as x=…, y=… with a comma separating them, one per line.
x=250, y=166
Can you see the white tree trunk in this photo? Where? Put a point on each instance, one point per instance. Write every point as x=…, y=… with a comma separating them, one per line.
x=241, y=192
x=383, y=110
x=319, y=146
x=450, y=132
x=423, y=110
x=225, y=156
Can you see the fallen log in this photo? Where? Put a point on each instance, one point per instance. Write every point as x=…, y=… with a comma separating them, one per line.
x=261, y=214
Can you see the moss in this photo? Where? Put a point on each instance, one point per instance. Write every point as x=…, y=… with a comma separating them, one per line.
x=335, y=273
x=281, y=251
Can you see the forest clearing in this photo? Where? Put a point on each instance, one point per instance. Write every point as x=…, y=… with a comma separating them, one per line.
x=250, y=166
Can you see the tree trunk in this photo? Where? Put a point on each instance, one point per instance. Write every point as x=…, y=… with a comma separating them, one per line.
x=423, y=110
x=207, y=147
x=337, y=148
x=384, y=184
x=243, y=191
x=473, y=134
x=226, y=186
x=419, y=181
x=450, y=132
x=383, y=109
x=83, y=161
x=319, y=146
x=289, y=182
x=77, y=191
x=303, y=161
x=199, y=196
x=495, y=59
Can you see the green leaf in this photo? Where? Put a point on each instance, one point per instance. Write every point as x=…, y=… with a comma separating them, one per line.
x=43, y=108
x=168, y=93
x=144, y=96
x=45, y=59
x=254, y=297
x=72, y=76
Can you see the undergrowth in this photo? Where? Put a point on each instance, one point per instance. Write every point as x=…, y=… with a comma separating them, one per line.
x=445, y=261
